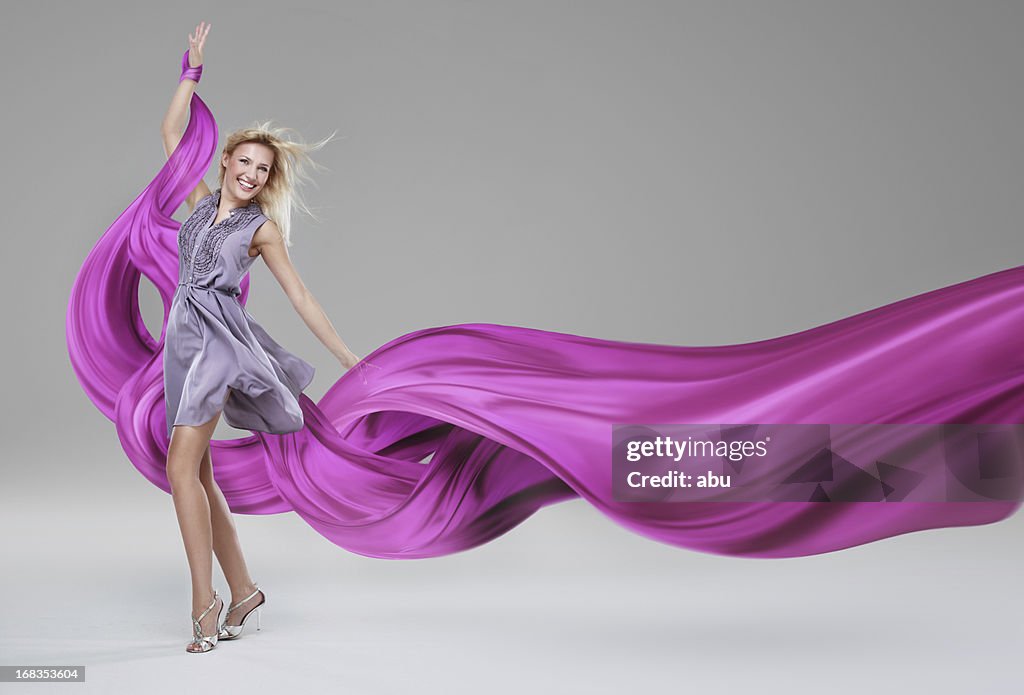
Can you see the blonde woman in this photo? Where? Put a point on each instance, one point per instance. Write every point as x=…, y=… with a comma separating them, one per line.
x=217, y=359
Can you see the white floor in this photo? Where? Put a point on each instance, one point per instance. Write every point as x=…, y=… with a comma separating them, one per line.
x=95, y=574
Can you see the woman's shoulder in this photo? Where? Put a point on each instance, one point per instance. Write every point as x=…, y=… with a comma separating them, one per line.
x=266, y=228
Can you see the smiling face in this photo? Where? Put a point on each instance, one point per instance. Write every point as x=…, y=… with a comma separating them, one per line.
x=250, y=163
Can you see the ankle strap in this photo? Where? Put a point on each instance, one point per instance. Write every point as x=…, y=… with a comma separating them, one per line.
x=246, y=598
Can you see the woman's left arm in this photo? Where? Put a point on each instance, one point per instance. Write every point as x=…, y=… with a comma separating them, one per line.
x=270, y=243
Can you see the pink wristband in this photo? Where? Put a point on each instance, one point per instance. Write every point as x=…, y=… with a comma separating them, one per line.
x=189, y=73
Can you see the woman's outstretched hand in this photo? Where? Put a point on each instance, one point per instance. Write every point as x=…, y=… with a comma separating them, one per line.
x=352, y=360
x=349, y=359
x=195, y=45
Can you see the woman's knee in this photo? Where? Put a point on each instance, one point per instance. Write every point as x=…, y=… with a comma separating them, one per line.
x=180, y=470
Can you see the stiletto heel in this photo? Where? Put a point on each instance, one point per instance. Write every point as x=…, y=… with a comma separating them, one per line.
x=201, y=643
x=229, y=632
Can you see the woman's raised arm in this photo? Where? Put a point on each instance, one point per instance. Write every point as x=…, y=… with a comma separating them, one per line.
x=177, y=113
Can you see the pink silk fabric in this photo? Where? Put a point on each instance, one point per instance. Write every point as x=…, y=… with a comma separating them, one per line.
x=514, y=419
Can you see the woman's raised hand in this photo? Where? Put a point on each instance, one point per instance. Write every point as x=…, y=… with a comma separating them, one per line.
x=195, y=45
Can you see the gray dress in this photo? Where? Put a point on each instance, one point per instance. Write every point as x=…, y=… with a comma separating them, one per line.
x=213, y=348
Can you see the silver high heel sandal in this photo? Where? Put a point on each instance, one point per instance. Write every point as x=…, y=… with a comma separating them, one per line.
x=228, y=632
x=201, y=643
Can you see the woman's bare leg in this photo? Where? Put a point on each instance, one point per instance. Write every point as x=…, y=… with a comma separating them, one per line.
x=192, y=506
x=226, y=545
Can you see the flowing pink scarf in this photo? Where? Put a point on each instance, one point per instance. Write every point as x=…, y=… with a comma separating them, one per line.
x=514, y=419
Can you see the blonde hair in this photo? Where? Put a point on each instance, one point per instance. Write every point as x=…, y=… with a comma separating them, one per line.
x=280, y=194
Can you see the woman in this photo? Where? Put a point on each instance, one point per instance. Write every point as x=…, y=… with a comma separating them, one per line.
x=217, y=359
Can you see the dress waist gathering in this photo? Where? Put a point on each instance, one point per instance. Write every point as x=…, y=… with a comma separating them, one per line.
x=190, y=310
x=209, y=289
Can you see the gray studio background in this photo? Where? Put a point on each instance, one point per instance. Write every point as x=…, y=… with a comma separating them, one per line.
x=690, y=173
